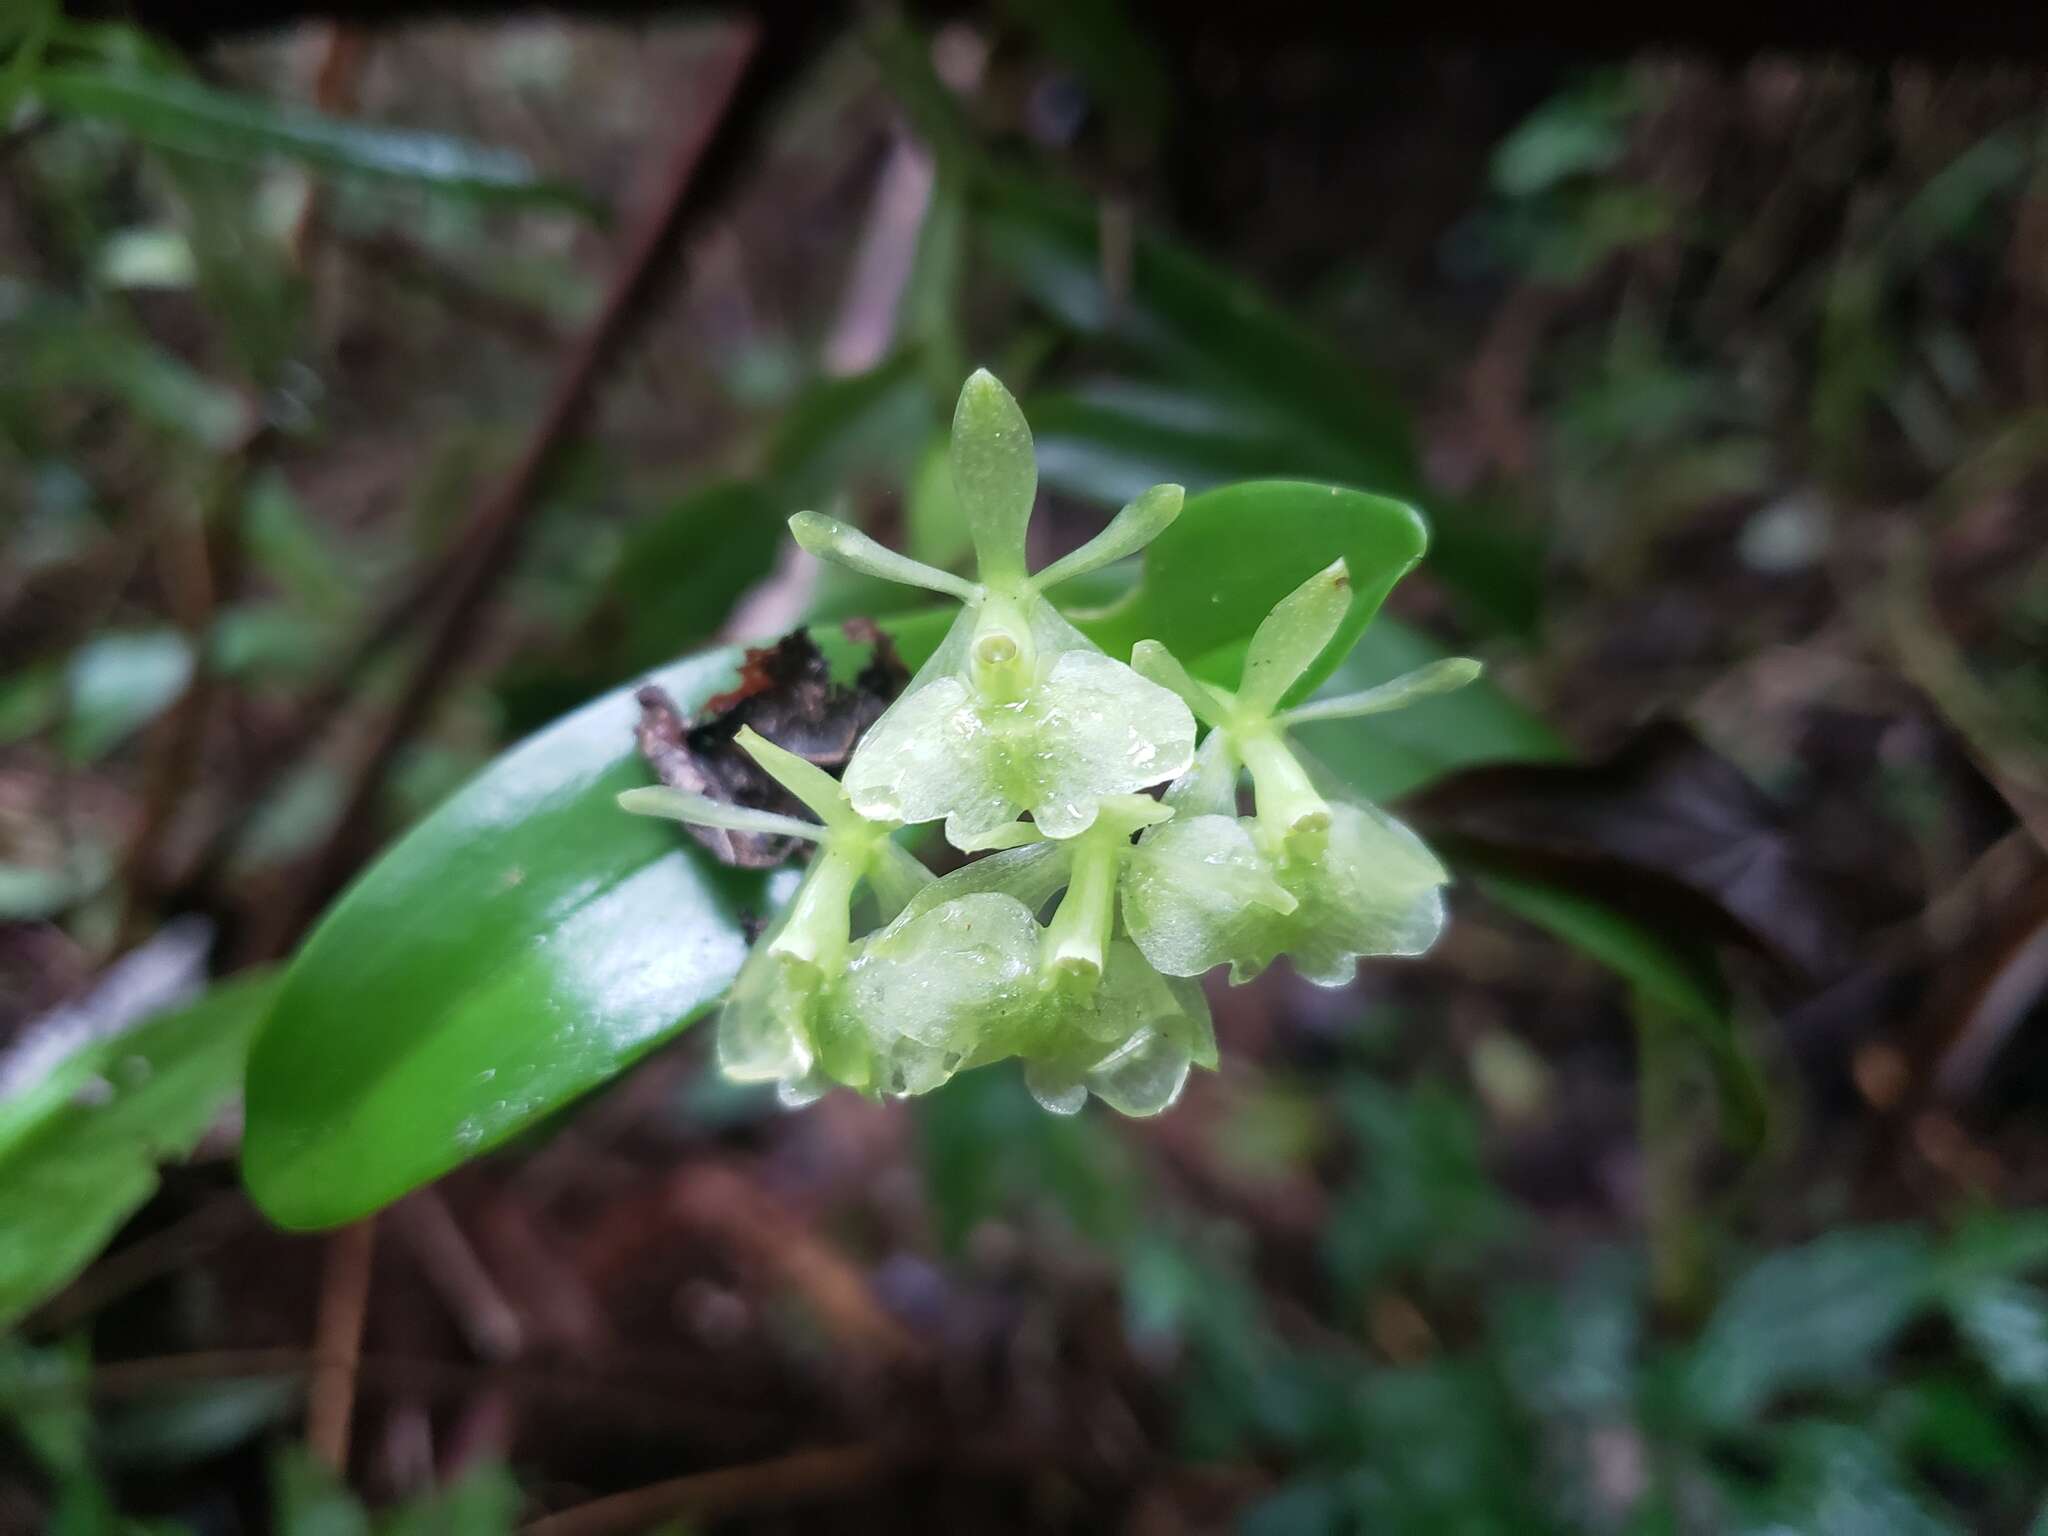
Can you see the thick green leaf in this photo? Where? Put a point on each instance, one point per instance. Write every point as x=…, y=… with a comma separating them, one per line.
x=171, y=112
x=79, y=1147
x=1237, y=550
x=1108, y=440
x=520, y=946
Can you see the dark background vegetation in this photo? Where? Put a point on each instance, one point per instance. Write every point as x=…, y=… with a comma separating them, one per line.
x=1723, y=373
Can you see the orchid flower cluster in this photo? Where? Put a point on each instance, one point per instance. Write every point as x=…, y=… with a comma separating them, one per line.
x=1017, y=712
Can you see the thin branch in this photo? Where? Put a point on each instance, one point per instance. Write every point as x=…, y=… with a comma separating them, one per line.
x=781, y=51
x=479, y=1308
x=647, y=1400
x=341, y=53
x=338, y=1342
x=489, y=543
x=202, y=560
x=786, y=1480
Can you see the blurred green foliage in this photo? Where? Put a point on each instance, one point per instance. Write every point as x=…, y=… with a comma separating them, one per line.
x=1546, y=1398
x=82, y=1135
x=1460, y=1372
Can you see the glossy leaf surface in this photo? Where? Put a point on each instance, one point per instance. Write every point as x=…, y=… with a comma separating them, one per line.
x=520, y=946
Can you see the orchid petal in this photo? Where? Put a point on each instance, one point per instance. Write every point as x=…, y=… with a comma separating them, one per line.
x=1443, y=676
x=1137, y=525
x=1291, y=637
x=830, y=539
x=1156, y=664
x=950, y=978
x=995, y=475
x=703, y=811
x=1195, y=892
x=817, y=789
x=927, y=758
x=1101, y=730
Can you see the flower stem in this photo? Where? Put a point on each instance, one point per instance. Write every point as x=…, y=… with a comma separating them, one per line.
x=1287, y=802
x=819, y=929
x=1078, y=937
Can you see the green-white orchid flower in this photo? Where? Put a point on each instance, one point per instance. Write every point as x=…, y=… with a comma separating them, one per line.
x=1017, y=710
x=1363, y=883
x=1097, y=1000
x=1182, y=894
x=786, y=1019
x=1131, y=1043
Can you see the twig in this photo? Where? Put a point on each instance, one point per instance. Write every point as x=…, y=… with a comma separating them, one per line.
x=701, y=1415
x=338, y=1342
x=203, y=559
x=451, y=1264
x=488, y=544
x=786, y=1480
x=742, y=1218
x=341, y=51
